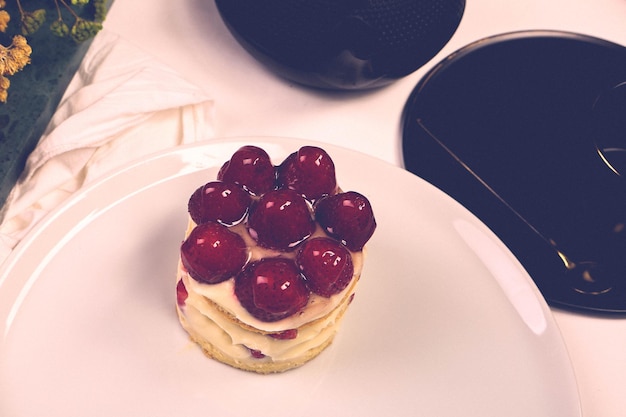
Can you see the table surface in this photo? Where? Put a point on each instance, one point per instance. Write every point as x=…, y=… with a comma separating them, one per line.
x=251, y=101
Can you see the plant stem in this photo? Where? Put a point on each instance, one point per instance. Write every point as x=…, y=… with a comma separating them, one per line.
x=19, y=6
x=67, y=6
x=56, y=3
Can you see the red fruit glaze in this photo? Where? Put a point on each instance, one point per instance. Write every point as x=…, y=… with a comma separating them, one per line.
x=280, y=220
x=347, y=217
x=250, y=167
x=181, y=293
x=326, y=265
x=212, y=253
x=219, y=201
x=271, y=289
x=310, y=172
x=285, y=335
x=257, y=354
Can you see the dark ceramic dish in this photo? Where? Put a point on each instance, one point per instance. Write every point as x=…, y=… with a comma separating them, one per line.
x=342, y=44
x=528, y=131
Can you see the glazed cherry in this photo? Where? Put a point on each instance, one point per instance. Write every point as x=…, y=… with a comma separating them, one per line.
x=280, y=220
x=310, y=172
x=326, y=265
x=219, y=201
x=251, y=167
x=347, y=217
x=212, y=253
x=271, y=289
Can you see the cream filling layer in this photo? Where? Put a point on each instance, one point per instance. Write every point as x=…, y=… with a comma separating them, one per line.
x=223, y=294
x=225, y=334
x=213, y=312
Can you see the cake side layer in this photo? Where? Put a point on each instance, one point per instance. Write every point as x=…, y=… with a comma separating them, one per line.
x=223, y=294
x=215, y=320
x=249, y=363
x=224, y=339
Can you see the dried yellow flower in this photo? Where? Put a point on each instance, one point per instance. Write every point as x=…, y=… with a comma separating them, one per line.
x=20, y=42
x=5, y=83
x=15, y=56
x=4, y=20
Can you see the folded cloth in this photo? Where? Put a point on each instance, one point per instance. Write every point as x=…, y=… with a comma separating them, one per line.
x=120, y=105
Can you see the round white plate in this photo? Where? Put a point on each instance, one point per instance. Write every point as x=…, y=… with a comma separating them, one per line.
x=445, y=322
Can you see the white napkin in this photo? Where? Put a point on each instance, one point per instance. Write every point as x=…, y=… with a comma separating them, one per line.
x=120, y=105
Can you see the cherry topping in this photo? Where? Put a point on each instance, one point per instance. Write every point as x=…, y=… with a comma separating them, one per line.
x=212, y=253
x=326, y=265
x=219, y=201
x=257, y=354
x=181, y=293
x=280, y=220
x=271, y=289
x=251, y=167
x=347, y=217
x=310, y=172
x=285, y=334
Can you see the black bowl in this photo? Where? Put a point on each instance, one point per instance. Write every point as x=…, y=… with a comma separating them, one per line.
x=342, y=44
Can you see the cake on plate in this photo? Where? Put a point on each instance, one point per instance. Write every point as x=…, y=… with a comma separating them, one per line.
x=271, y=259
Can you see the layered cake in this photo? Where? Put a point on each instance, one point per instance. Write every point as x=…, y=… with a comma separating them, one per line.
x=271, y=258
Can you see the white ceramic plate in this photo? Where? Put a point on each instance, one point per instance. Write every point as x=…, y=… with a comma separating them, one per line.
x=445, y=323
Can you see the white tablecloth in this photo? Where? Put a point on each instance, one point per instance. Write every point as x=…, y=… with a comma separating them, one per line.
x=121, y=104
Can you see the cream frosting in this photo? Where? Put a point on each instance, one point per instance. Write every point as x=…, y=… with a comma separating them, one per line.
x=213, y=312
x=209, y=323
